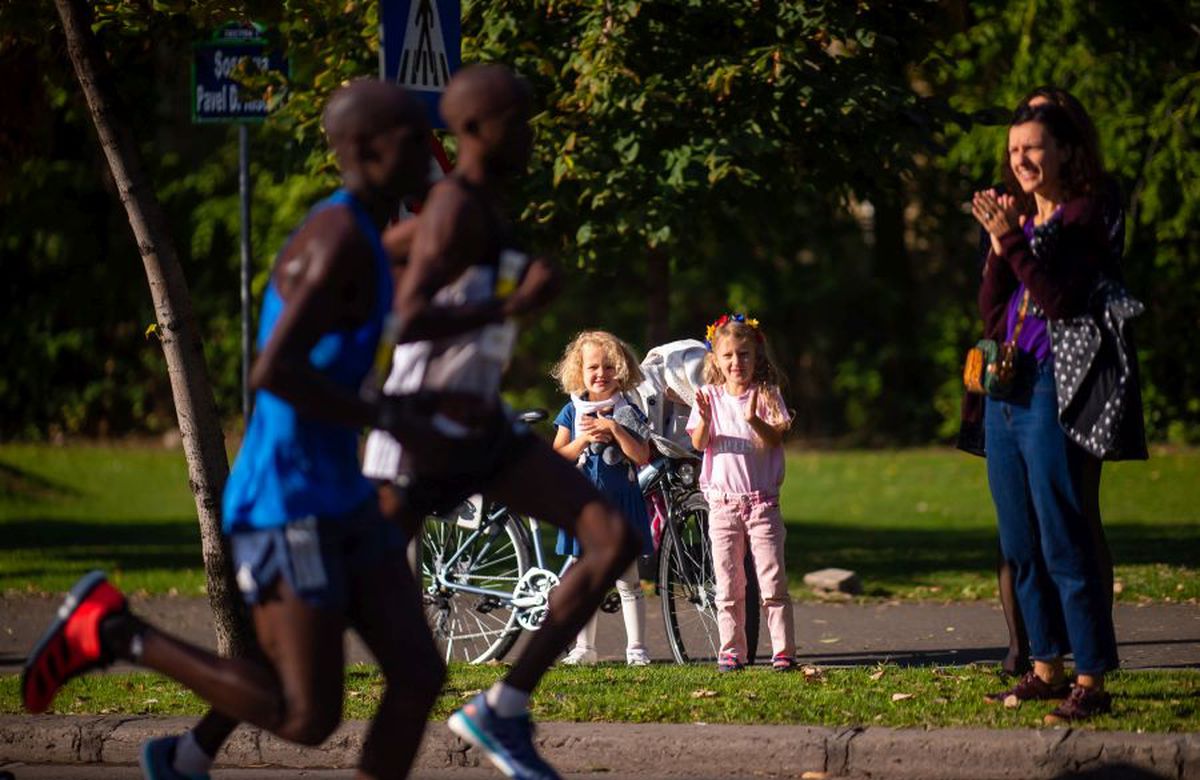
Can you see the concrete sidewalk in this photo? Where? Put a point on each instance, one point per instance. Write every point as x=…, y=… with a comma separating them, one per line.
x=666, y=750
x=1153, y=636
x=827, y=634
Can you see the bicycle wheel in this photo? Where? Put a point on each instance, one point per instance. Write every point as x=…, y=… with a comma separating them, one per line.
x=467, y=626
x=687, y=587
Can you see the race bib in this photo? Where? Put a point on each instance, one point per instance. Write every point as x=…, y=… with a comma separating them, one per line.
x=497, y=341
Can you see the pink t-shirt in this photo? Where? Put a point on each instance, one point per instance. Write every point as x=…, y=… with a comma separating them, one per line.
x=736, y=460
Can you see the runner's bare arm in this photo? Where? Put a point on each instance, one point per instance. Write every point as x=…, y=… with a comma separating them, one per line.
x=538, y=287
x=449, y=238
x=397, y=240
x=326, y=284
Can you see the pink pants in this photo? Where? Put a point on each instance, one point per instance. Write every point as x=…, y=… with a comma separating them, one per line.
x=734, y=518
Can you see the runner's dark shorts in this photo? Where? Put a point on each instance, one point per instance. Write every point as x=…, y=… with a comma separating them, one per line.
x=317, y=556
x=478, y=463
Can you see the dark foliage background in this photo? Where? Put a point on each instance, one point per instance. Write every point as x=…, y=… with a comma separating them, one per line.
x=806, y=162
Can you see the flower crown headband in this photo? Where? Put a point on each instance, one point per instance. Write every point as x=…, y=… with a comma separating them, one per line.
x=724, y=320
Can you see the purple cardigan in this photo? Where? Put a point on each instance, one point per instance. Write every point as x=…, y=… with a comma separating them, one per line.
x=1061, y=288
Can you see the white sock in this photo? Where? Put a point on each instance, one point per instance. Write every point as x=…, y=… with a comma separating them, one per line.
x=190, y=758
x=633, y=608
x=587, y=635
x=506, y=701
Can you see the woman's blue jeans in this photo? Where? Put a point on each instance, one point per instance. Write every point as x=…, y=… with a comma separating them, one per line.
x=1034, y=474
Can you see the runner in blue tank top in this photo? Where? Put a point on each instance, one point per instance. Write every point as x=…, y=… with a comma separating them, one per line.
x=312, y=553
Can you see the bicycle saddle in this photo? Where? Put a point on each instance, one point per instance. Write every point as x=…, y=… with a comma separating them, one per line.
x=531, y=416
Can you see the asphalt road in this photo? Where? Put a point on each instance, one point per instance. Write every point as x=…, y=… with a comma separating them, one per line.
x=837, y=634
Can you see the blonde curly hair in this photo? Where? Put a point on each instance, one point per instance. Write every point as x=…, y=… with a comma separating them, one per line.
x=569, y=371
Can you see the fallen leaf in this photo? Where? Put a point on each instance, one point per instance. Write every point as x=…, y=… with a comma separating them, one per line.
x=949, y=628
x=877, y=675
x=830, y=640
x=814, y=776
x=901, y=696
x=812, y=673
x=703, y=693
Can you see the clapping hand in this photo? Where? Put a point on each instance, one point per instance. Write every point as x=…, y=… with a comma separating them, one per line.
x=704, y=407
x=996, y=213
x=751, y=409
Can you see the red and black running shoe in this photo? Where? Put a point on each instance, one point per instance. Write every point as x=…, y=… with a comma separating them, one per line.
x=72, y=645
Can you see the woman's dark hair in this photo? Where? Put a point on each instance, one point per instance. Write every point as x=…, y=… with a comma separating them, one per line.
x=1081, y=170
x=1069, y=103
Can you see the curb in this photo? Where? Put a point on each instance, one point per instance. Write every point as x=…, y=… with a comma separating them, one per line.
x=664, y=750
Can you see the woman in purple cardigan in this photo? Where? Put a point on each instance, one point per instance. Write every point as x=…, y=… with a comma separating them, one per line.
x=1051, y=281
x=970, y=439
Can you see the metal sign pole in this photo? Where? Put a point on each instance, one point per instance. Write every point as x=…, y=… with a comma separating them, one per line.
x=218, y=96
x=244, y=193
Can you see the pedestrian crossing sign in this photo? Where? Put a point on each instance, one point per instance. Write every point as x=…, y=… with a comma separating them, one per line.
x=420, y=47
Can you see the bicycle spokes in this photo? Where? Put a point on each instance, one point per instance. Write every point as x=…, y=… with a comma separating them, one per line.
x=467, y=578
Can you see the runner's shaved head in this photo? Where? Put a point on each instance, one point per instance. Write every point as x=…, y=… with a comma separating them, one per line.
x=366, y=107
x=481, y=91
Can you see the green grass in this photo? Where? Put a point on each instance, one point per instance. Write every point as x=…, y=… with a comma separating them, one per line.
x=920, y=523
x=128, y=510
x=915, y=524
x=1143, y=701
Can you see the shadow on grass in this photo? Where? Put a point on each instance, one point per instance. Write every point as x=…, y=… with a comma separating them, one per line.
x=17, y=483
x=906, y=555
x=38, y=547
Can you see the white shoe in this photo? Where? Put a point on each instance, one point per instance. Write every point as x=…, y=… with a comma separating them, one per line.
x=637, y=656
x=581, y=657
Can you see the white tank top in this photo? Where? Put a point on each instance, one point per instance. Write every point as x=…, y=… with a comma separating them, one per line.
x=472, y=362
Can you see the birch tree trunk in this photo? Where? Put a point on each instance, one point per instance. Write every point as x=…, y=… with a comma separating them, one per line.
x=195, y=406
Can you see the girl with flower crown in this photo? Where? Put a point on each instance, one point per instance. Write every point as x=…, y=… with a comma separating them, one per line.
x=738, y=422
x=607, y=437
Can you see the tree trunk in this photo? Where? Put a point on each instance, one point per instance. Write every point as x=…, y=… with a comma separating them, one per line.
x=195, y=406
x=658, y=297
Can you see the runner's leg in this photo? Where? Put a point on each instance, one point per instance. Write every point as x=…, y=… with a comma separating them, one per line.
x=385, y=611
x=567, y=500
x=297, y=695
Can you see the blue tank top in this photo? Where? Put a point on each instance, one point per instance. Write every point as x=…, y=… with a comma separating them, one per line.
x=289, y=466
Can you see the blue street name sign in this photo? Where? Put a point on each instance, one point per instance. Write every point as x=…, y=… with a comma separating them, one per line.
x=420, y=47
x=218, y=65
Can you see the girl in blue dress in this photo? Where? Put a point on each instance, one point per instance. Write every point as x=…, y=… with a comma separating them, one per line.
x=607, y=437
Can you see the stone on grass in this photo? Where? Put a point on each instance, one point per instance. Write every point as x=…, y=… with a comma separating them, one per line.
x=833, y=581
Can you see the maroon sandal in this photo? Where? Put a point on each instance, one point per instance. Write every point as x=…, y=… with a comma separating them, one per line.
x=1031, y=688
x=1083, y=703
